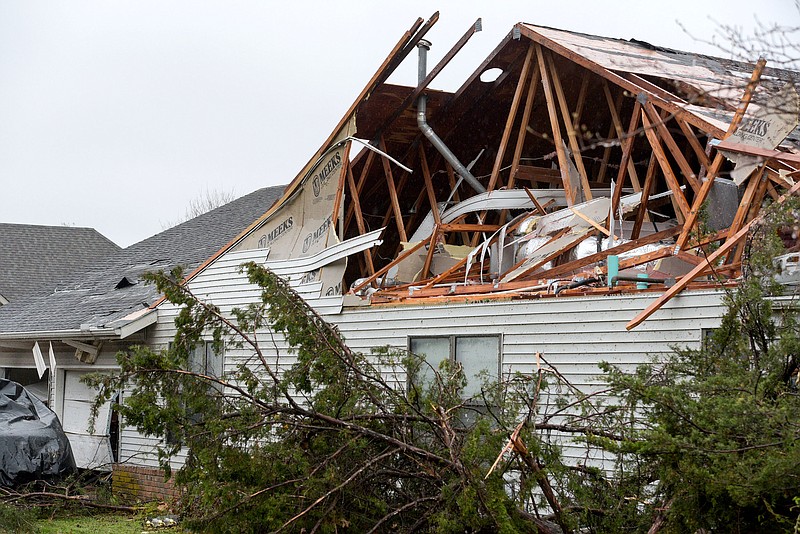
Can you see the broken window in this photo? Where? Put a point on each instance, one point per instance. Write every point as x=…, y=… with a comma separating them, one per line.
x=479, y=357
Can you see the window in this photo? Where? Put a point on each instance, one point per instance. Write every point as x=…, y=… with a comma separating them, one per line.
x=205, y=361
x=476, y=354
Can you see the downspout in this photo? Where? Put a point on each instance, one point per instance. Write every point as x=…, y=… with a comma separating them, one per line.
x=428, y=132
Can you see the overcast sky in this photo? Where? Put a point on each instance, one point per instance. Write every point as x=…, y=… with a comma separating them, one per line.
x=116, y=114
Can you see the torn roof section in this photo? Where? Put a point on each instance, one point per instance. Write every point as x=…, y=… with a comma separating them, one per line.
x=575, y=128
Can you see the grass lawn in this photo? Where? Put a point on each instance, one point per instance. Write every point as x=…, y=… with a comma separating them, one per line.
x=110, y=523
x=38, y=521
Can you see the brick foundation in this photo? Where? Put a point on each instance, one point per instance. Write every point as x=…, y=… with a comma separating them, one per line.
x=142, y=484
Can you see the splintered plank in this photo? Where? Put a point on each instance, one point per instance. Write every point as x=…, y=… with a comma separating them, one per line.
x=535, y=201
x=596, y=226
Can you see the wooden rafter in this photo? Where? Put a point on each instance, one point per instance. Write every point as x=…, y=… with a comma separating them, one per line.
x=672, y=181
x=667, y=138
x=553, y=255
x=420, y=88
x=512, y=114
x=563, y=164
x=730, y=242
x=434, y=241
x=617, y=125
x=394, y=201
x=359, y=216
x=566, y=117
x=426, y=173
x=702, y=157
x=340, y=190
x=352, y=209
x=649, y=180
x=578, y=115
x=574, y=265
x=753, y=185
x=523, y=127
x=631, y=87
x=627, y=148
x=385, y=269
x=601, y=176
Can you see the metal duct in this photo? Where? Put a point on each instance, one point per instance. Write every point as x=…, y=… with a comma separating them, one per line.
x=428, y=132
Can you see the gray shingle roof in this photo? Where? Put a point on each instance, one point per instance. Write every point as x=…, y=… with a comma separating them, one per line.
x=35, y=259
x=94, y=297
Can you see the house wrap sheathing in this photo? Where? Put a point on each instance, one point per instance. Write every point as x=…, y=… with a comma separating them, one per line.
x=553, y=208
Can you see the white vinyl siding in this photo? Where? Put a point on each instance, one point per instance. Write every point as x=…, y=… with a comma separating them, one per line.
x=573, y=334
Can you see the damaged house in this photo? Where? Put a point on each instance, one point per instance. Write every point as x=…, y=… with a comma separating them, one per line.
x=554, y=204
x=561, y=202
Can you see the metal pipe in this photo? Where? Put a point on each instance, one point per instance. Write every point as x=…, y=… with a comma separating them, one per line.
x=428, y=132
x=668, y=282
x=576, y=283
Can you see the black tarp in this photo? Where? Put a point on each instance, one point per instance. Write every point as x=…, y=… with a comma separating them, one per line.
x=32, y=442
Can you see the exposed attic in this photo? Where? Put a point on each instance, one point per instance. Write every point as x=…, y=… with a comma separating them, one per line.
x=574, y=129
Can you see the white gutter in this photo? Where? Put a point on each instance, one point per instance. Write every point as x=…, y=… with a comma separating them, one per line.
x=57, y=335
x=134, y=323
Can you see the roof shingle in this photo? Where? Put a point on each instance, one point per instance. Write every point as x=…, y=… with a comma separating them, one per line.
x=94, y=297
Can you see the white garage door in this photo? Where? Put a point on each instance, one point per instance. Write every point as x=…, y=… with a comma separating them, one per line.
x=92, y=450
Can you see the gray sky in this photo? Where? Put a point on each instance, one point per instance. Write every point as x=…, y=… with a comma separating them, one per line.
x=114, y=115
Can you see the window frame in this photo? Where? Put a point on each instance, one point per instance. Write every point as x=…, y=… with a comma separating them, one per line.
x=452, y=350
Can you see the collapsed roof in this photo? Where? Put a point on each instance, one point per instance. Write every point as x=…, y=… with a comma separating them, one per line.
x=580, y=149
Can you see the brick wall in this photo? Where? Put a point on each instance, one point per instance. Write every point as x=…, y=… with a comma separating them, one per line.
x=141, y=484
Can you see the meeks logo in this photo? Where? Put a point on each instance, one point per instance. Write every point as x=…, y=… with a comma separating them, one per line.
x=321, y=178
x=314, y=237
x=276, y=232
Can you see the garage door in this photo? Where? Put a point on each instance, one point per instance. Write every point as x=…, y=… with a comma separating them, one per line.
x=92, y=450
